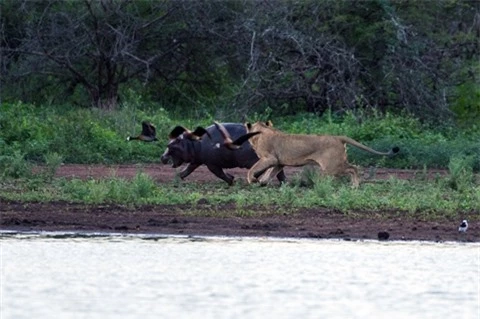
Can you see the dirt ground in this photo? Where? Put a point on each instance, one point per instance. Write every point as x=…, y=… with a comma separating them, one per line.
x=220, y=220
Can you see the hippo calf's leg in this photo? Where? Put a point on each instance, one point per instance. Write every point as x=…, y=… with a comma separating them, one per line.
x=188, y=170
x=218, y=171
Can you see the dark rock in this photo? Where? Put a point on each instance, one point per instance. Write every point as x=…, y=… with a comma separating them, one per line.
x=383, y=235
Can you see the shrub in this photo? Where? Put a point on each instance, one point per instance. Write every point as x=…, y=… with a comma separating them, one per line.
x=461, y=173
x=98, y=136
x=52, y=162
x=15, y=165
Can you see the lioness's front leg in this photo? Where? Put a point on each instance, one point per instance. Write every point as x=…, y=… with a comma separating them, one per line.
x=262, y=165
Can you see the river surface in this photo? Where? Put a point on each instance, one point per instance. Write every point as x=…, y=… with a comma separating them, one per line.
x=51, y=275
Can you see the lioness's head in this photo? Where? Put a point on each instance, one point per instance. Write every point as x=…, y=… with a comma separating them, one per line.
x=265, y=128
x=259, y=126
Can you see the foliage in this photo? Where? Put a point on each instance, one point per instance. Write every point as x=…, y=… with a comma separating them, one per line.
x=14, y=165
x=31, y=134
x=76, y=135
x=425, y=197
x=461, y=173
x=467, y=104
x=230, y=59
x=360, y=125
x=420, y=145
x=118, y=190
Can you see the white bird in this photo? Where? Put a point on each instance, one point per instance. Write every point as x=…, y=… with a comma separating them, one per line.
x=463, y=226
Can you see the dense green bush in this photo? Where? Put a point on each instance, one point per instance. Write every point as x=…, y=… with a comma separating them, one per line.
x=420, y=145
x=77, y=135
x=32, y=134
x=366, y=126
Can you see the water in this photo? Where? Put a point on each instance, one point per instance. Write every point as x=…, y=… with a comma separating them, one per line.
x=57, y=276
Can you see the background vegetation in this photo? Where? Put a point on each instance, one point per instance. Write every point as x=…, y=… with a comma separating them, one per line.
x=79, y=76
x=231, y=58
x=38, y=135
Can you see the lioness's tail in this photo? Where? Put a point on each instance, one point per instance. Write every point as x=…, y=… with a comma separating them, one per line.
x=359, y=145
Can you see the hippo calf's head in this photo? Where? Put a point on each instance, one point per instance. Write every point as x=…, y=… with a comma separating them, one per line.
x=167, y=158
x=177, y=152
x=181, y=148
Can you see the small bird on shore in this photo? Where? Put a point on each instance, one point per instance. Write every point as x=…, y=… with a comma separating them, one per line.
x=463, y=226
x=148, y=133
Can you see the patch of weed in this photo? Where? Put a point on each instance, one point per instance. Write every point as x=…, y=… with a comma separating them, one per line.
x=461, y=173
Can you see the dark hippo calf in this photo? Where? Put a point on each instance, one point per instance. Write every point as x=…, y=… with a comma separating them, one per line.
x=188, y=147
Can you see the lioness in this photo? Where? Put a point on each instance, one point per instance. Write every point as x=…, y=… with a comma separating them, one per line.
x=277, y=149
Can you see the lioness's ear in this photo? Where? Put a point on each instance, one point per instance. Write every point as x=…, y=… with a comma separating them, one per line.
x=269, y=123
x=248, y=125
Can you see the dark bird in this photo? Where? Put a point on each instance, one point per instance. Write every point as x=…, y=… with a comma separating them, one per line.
x=148, y=133
x=227, y=140
x=463, y=226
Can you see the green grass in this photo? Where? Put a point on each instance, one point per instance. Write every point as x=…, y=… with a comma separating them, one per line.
x=433, y=197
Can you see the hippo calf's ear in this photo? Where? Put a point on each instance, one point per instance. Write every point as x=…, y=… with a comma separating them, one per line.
x=200, y=131
x=177, y=131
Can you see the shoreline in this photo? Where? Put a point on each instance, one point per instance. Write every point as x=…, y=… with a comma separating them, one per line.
x=225, y=220
x=159, y=236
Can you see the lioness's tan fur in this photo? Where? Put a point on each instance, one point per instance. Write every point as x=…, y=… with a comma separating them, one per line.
x=277, y=149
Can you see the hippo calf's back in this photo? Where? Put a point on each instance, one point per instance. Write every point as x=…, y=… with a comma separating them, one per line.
x=223, y=157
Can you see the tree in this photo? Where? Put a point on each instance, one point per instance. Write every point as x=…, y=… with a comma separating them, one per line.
x=287, y=55
x=96, y=45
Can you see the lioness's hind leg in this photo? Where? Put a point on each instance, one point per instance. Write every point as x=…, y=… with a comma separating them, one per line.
x=353, y=171
x=269, y=173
